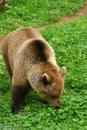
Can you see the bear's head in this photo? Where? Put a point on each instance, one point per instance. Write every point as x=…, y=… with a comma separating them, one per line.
x=50, y=82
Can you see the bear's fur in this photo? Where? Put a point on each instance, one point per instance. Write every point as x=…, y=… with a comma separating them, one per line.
x=31, y=62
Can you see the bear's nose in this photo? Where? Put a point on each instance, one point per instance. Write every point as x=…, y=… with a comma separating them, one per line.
x=57, y=107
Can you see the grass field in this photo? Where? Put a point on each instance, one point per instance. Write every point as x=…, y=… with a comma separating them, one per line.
x=69, y=41
x=36, y=12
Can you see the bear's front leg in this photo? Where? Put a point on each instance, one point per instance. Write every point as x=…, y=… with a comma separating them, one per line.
x=18, y=95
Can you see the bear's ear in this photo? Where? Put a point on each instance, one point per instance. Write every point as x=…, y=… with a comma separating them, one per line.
x=45, y=78
x=63, y=70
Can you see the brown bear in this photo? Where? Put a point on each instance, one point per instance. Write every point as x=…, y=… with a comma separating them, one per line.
x=31, y=62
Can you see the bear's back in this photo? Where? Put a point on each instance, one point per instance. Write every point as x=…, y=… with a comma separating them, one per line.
x=36, y=51
x=27, y=44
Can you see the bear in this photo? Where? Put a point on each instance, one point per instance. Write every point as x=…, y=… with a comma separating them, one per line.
x=31, y=63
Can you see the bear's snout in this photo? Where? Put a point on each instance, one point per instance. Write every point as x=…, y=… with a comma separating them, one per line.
x=58, y=107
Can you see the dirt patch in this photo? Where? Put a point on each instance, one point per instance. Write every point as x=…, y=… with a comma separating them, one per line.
x=78, y=14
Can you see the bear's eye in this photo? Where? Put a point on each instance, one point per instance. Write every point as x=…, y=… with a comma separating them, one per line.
x=54, y=71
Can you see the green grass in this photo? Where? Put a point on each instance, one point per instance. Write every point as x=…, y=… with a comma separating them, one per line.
x=69, y=41
x=36, y=12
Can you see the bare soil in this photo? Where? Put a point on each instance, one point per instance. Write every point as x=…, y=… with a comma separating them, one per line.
x=81, y=13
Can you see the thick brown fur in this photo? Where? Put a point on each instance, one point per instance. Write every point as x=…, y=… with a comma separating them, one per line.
x=31, y=62
x=1, y=40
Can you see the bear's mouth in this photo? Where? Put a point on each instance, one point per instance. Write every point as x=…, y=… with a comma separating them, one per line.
x=54, y=100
